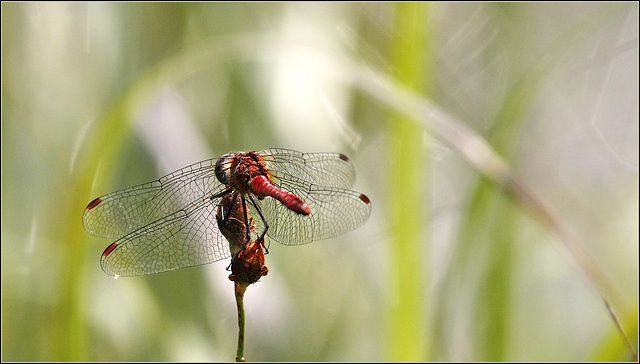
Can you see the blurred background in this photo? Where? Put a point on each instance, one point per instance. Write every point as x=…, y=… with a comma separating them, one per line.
x=102, y=96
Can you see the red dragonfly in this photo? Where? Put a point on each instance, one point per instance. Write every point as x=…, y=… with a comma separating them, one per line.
x=294, y=198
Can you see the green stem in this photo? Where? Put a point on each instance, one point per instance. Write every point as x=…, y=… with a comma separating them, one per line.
x=409, y=175
x=239, y=292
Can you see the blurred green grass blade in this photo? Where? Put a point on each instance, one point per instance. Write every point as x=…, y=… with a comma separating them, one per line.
x=108, y=134
x=70, y=328
x=498, y=227
x=613, y=348
x=407, y=337
x=493, y=234
x=490, y=218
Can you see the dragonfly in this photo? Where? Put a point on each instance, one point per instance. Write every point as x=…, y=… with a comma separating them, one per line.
x=173, y=222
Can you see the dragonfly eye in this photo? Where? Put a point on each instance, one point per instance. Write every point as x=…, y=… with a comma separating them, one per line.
x=222, y=168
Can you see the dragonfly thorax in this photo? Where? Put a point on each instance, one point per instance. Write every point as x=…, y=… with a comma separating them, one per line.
x=236, y=170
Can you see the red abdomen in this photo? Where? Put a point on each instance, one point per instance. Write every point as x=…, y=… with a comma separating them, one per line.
x=262, y=186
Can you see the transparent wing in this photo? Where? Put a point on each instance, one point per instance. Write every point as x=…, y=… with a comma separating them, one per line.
x=171, y=223
x=326, y=169
x=185, y=238
x=125, y=211
x=334, y=211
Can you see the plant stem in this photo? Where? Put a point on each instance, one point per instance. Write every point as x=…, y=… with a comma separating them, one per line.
x=239, y=292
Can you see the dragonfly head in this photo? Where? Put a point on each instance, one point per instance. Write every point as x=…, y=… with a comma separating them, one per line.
x=223, y=168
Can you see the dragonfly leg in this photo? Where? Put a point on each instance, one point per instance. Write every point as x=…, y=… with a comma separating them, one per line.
x=225, y=219
x=246, y=221
x=266, y=224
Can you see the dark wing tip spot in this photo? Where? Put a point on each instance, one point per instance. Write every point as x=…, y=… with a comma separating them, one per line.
x=344, y=157
x=93, y=203
x=109, y=249
x=365, y=199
